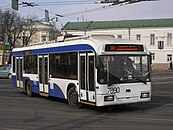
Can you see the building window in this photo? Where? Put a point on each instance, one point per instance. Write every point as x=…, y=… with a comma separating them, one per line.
x=153, y=56
x=152, y=39
x=169, y=57
x=169, y=38
x=138, y=37
x=160, y=44
x=120, y=37
x=43, y=38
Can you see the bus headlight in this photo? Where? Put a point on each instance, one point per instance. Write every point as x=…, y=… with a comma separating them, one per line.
x=145, y=95
x=109, y=98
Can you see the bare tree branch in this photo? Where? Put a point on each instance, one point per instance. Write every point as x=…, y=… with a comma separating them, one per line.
x=13, y=26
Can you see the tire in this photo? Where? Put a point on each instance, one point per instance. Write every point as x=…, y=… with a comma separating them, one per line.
x=29, y=89
x=9, y=76
x=72, y=98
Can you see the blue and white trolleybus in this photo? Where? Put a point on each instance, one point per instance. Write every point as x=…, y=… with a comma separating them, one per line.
x=97, y=70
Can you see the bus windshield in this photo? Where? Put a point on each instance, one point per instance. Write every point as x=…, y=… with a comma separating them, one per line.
x=123, y=68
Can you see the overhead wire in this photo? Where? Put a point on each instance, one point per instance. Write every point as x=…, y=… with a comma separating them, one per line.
x=107, y=6
x=50, y=3
x=75, y=2
x=73, y=13
x=70, y=2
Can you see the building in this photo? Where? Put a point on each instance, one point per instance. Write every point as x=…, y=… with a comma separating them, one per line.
x=43, y=32
x=155, y=33
x=4, y=52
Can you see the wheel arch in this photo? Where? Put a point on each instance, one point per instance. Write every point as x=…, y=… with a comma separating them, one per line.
x=70, y=85
x=25, y=83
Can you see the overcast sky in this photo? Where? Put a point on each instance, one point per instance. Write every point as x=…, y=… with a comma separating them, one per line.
x=89, y=10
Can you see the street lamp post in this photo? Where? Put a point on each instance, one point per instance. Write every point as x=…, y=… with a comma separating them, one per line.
x=3, y=54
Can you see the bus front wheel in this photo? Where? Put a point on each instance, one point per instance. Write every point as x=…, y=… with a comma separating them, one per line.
x=29, y=89
x=73, y=98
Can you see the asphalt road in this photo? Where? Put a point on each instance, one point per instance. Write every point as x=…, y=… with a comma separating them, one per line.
x=18, y=112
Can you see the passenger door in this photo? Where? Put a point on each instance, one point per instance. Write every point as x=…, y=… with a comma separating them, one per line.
x=43, y=74
x=87, y=77
x=19, y=71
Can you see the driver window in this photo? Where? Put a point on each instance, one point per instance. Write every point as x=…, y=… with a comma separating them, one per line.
x=102, y=72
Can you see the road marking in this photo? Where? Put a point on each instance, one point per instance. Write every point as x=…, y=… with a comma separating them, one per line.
x=144, y=118
x=161, y=82
x=161, y=104
x=5, y=128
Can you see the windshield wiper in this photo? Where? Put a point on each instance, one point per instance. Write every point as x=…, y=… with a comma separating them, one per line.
x=141, y=79
x=114, y=80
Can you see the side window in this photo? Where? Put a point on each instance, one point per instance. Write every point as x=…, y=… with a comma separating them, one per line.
x=72, y=65
x=63, y=65
x=91, y=73
x=30, y=64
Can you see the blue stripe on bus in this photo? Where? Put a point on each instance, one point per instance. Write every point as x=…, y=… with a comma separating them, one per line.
x=35, y=86
x=14, y=82
x=56, y=92
x=81, y=47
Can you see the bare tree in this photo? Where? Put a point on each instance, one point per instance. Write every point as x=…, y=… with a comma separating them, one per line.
x=13, y=26
x=29, y=29
x=10, y=27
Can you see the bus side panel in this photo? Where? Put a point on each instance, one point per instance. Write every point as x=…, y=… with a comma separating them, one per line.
x=55, y=91
x=34, y=84
x=14, y=82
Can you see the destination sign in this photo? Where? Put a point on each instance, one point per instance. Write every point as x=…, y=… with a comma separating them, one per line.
x=123, y=47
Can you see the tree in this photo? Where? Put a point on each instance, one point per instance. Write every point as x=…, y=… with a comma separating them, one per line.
x=13, y=27
x=29, y=29
x=10, y=23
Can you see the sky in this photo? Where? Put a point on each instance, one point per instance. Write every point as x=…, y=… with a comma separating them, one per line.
x=92, y=10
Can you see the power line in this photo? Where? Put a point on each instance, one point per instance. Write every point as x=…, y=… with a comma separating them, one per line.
x=108, y=6
x=73, y=1
x=67, y=3
x=112, y=5
x=86, y=11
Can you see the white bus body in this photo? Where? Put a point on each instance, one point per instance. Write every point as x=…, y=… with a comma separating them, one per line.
x=98, y=70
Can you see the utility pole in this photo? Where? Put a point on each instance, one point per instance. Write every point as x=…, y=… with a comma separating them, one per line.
x=46, y=16
x=15, y=4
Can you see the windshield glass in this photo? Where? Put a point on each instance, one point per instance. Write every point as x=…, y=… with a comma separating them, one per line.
x=123, y=68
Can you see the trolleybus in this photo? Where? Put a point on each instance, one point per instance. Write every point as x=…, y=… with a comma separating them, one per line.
x=97, y=70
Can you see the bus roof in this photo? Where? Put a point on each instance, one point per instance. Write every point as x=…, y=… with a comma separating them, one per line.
x=94, y=43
